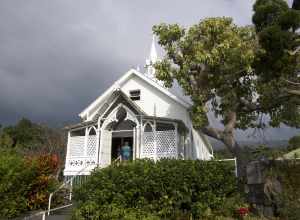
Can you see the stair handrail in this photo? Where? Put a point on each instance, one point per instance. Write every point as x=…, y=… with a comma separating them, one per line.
x=119, y=158
x=64, y=184
x=44, y=213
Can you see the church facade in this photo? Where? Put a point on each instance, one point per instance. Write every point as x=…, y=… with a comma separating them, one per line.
x=138, y=110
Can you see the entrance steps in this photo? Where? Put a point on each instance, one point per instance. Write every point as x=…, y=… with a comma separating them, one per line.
x=61, y=214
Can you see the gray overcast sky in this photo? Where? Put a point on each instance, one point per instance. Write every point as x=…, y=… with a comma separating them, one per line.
x=57, y=56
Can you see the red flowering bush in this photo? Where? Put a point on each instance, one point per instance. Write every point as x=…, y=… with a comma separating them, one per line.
x=45, y=168
x=243, y=212
x=25, y=183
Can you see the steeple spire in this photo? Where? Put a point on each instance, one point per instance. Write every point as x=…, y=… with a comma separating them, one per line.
x=151, y=60
x=153, y=53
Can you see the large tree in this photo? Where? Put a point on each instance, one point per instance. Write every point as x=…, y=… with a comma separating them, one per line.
x=213, y=61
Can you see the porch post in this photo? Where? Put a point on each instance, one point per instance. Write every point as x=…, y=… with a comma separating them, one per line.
x=100, y=146
x=86, y=141
x=98, y=141
x=97, y=144
x=68, y=147
x=134, y=145
x=141, y=138
x=155, y=141
x=137, y=150
x=176, y=138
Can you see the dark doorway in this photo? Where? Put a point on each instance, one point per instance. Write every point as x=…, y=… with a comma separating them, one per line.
x=117, y=143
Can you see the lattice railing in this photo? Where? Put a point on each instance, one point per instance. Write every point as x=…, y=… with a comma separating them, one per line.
x=82, y=153
x=166, y=144
x=159, y=144
x=148, y=145
x=91, y=145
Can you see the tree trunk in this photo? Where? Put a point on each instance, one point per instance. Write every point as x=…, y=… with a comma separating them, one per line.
x=227, y=138
x=232, y=145
x=241, y=158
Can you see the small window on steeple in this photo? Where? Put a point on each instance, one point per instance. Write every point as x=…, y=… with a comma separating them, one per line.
x=135, y=94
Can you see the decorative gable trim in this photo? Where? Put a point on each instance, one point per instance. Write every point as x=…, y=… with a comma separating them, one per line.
x=119, y=98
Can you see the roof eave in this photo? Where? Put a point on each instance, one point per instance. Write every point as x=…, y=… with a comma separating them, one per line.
x=115, y=86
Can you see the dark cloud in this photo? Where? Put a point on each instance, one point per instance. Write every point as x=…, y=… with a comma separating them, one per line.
x=57, y=56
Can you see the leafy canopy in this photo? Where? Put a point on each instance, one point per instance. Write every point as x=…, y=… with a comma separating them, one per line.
x=212, y=62
x=236, y=71
x=30, y=138
x=24, y=135
x=277, y=64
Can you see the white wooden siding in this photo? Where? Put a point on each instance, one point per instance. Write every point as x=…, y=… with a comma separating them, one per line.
x=154, y=102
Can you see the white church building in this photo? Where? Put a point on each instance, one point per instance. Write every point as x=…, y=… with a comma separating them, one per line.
x=139, y=110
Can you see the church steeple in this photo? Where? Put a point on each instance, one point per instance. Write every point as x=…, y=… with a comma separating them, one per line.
x=151, y=60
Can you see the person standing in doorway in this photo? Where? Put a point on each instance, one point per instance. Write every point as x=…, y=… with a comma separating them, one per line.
x=125, y=151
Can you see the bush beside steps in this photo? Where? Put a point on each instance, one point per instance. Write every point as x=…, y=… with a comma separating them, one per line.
x=167, y=189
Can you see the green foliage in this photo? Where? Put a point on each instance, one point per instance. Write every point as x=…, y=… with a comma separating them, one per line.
x=24, y=135
x=6, y=141
x=288, y=172
x=234, y=71
x=294, y=143
x=209, y=60
x=163, y=190
x=263, y=151
x=276, y=62
x=24, y=183
x=222, y=154
x=268, y=12
x=15, y=179
x=29, y=138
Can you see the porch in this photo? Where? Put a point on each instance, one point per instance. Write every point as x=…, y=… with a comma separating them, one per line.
x=96, y=144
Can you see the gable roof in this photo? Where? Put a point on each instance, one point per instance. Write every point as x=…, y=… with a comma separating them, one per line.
x=118, y=97
x=123, y=79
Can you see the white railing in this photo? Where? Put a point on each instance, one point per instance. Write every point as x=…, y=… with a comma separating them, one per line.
x=82, y=145
x=69, y=181
x=76, y=145
x=235, y=164
x=118, y=159
x=76, y=164
x=159, y=144
x=43, y=214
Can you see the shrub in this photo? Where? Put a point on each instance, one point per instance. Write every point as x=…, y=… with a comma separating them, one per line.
x=15, y=179
x=164, y=190
x=288, y=173
x=25, y=183
x=45, y=166
x=294, y=143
